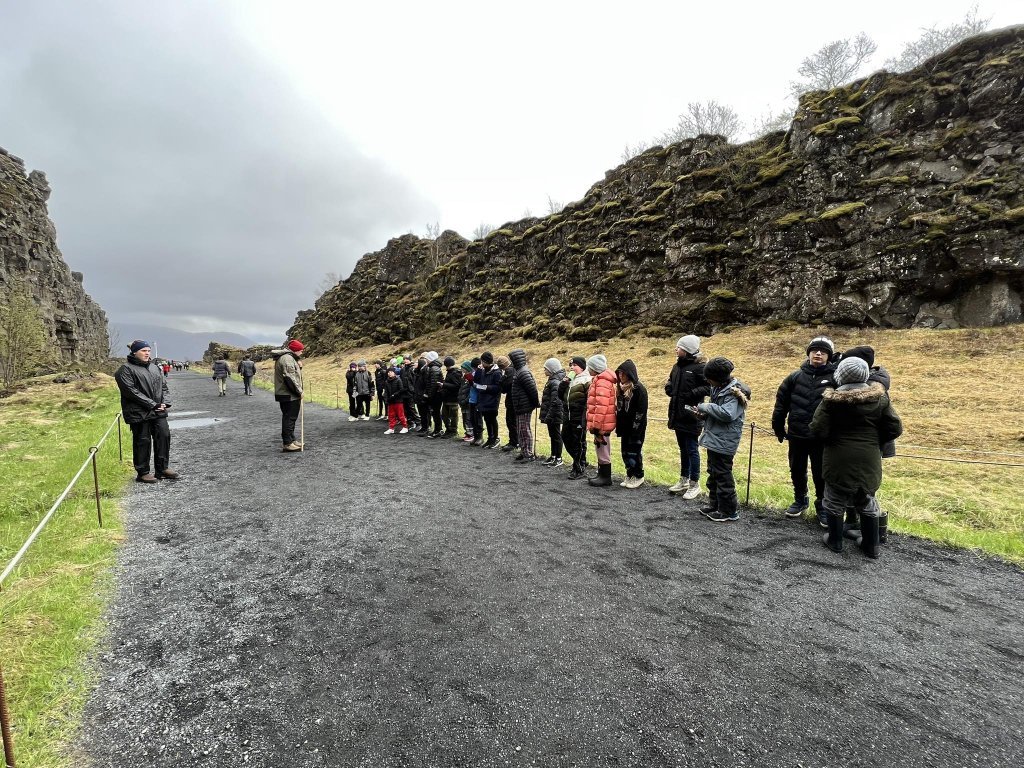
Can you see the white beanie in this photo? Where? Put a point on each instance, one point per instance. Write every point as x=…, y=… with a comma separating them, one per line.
x=689, y=344
x=431, y=357
x=552, y=365
x=851, y=370
x=597, y=363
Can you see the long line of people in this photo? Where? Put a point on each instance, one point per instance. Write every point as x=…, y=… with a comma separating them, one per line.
x=834, y=411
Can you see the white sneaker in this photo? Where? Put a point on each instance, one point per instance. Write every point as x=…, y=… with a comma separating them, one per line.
x=364, y=418
x=692, y=492
x=403, y=430
x=389, y=431
x=637, y=482
x=625, y=483
x=351, y=418
x=680, y=486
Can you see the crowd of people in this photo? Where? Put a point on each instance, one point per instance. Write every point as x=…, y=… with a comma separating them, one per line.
x=834, y=412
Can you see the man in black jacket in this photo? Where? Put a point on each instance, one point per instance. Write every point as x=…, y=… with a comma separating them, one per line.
x=144, y=403
x=525, y=400
x=795, y=403
x=686, y=386
x=247, y=369
x=450, y=397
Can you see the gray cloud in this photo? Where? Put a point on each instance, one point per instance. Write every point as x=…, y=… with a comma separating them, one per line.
x=191, y=183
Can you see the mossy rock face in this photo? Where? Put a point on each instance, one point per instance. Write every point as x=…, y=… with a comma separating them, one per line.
x=585, y=333
x=832, y=127
x=845, y=209
x=784, y=222
x=656, y=352
x=724, y=294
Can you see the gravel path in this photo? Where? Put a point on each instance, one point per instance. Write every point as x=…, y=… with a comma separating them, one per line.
x=396, y=601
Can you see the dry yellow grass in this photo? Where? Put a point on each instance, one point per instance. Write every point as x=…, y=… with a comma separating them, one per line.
x=959, y=394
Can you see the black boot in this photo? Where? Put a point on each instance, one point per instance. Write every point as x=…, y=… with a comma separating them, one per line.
x=869, y=535
x=604, y=476
x=883, y=529
x=851, y=529
x=576, y=472
x=834, y=538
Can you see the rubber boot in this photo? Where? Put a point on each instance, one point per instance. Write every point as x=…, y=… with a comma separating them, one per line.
x=834, y=538
x=851, y=529
x=603, y=477
x=883, y=529
x=869, y=535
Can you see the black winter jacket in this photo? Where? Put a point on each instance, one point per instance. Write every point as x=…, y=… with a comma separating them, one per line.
x=631, y=416
x=380, y=377
x=507, y=375
x=451, y=385
x=487, y=399
x=350, y=382
x=552, y=406
x=524, y=395
x=798, y=398
x=394, y=390
x=432, y=378
x=143, y=387
x=409, y=377
x=686, y=386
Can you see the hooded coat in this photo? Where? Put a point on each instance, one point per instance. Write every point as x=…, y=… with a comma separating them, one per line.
x=221, y=369
x=798, y=397
x=631, y=414
x=601, y=403
x=853, y=422
x=409, y=377
x=552, y=408
x=452, y=385
x=143, y=387
x=432, y=376
x=723, y=417
x=525, y=397
x=576, y=391
x=686, y=385
x=287, y=375
x=487, y=383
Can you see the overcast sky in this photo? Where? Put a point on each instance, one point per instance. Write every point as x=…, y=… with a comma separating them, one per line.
x=212, y=161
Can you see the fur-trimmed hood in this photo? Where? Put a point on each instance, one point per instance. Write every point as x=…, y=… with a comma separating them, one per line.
x=870, y=393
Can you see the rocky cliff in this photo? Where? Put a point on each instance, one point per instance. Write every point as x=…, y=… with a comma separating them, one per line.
x=29, y=257
x=894, y=201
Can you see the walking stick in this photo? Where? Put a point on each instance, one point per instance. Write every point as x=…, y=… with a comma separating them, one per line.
x=302, y=425
x=750, y=460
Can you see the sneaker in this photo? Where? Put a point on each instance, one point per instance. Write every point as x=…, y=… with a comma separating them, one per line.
x=146, y=478
x=709, y=510
x=467, y=439
x=477, y=442
x=637, y=482
x=557, y=462
x=403, y=431
x=682, y=485
x=389, y=431
x=291, y=448
x=508, y=447
x=693, y=491
x=351, y=418
x=520, y=457
x=364, y=418
x=625, y=483
x=797, y=508
x=549, y=461
x=577, y=472
x=722, y=517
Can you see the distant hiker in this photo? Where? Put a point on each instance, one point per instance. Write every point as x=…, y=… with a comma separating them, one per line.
x=631, y=422
x=797, y=399
x=525, y=400
x=247, y=369
x=432, y=395
x=507, y=376
x=723, y=427
x=144, y=403
x=221, y=374
x=350, y=390
x=487, y=384
x=553, y=410
x=574, y=432
x=685, y=388
x=450, y=388
x=288, y=390
x=465, y=388
x=601, y=416
x=166, y=368
x=364, y=387
x=380, y=377
x=852, y=421
x=394, y=390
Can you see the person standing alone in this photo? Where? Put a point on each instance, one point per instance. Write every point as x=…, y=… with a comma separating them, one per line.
x=144, y=403
x=288, y=390
x=247, y=369
x=221, y=373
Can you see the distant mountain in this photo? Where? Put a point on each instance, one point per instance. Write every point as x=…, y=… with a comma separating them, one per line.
x=174, y=344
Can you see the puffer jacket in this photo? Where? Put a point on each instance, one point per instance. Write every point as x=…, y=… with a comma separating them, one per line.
x=552, y=407
x=287, y=375
x=601, y=403
x=247, y=368
x=394, y=390
x=524, y=395
x=853, y=422
x=452, y=385
x=798, y=397
x=686, y=385
x=465, y=388
x=362, y=383
x=487, y=383
x=350, y=381
x=724, y=416
x=221, y=369
x=143, y=387
x=576, y=398
x=432, y=378
x=631, y=415
x=408, y=377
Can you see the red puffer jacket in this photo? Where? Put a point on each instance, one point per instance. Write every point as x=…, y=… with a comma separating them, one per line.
x=601, y=403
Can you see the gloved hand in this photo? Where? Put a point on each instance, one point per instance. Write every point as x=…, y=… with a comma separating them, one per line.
x=781, y=436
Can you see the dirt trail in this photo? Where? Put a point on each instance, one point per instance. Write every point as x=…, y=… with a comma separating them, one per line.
x=397, y=601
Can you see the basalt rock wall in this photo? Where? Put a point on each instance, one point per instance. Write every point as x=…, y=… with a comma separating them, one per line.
x=29, y=257
x=894, y=201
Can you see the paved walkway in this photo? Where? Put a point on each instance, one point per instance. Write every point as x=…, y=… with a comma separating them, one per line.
x=406, y=602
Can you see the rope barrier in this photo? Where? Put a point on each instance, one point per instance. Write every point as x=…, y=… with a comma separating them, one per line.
x=958, y=461
x=964, y=450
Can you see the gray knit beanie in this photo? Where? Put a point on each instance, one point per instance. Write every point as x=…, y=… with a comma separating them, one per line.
x=689, y=344
x=552, y=365
x=597, y=363
x=851, y=370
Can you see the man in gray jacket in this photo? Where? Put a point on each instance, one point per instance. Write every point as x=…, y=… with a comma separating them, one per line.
x=144, y=403
x=247, y=369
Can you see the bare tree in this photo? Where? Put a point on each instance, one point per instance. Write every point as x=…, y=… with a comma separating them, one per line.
x=554, y=206
x=834, y=64
x=772, y=121
x=25, y=345
x=433, y=231
x=329, y=280
x=114, y=347
x=707, y=117
x=934, y=40
x=482, y=231
x=633, y=150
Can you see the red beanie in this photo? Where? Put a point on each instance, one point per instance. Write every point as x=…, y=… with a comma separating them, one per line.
x=295, y=345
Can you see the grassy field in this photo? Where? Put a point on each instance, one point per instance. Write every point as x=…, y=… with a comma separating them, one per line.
x=51, y=604
x=959, y=394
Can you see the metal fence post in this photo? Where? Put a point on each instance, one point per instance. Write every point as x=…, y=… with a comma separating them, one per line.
x=96, y=484
x=750, y=460
x=5, y=724
x=337, y=396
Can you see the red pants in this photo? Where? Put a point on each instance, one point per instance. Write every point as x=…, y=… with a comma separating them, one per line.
x=396, y=415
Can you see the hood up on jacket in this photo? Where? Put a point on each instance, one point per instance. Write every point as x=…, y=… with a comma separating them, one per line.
x=629, y=368
x=518, y=358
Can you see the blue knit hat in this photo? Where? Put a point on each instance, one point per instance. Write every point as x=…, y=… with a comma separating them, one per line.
x=138, y=344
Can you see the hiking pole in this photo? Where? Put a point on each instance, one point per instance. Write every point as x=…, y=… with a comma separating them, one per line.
x=302, y=425
x=5, y=724
x=750, y=460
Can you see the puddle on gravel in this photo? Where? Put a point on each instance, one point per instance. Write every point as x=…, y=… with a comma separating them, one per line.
x=178, y=415
x=190, y=423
